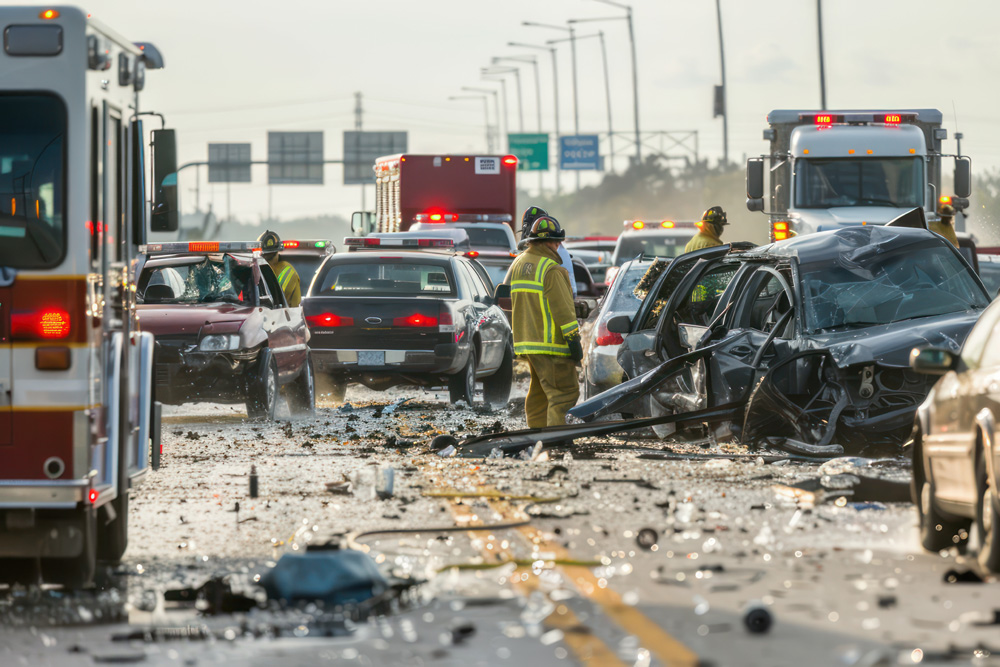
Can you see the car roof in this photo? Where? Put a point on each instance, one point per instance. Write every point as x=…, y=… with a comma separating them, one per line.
x=831, y=244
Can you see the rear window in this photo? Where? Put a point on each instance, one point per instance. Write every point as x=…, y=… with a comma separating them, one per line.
x=650, y=246
x=32, y=181
x=491, y=238
x=384, y=279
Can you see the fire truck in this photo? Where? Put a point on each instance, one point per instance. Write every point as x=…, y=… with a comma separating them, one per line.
x=441, y=188
x=76, y=415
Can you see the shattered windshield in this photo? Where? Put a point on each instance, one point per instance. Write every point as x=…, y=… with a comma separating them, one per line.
x=868, y=286
x=207, y=281
x=834, y=182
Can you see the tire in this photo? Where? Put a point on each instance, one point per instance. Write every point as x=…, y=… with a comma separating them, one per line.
x=987, y=518
x=496, y=388
x=262, y=402
x=329, y=387
x=462, y=385
x=77, y=572
x=301, y=394
x=112, y=537
x=936, y=531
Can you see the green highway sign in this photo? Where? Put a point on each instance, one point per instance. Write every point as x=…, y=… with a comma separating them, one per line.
x=531, y=150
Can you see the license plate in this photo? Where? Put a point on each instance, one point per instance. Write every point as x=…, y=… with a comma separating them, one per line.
x=371, y=358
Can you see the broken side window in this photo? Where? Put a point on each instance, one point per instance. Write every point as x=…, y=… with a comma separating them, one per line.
x=699, y=304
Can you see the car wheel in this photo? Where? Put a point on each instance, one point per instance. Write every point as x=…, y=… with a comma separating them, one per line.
x=330, y=388
x=79, y=571
x=263, y=400
x=496, y=388
x=302, y=392
x=112, y=537
x=936, y=531
x=987, y=519
x=462, y=385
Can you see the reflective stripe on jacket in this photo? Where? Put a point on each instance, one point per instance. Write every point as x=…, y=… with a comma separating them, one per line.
x=288, y=280
x=543, y=310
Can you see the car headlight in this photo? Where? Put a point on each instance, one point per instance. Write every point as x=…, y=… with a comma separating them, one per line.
x=219, y=343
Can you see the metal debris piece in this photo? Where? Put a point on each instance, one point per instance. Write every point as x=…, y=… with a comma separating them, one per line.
x=757, y=618
x=647, y=538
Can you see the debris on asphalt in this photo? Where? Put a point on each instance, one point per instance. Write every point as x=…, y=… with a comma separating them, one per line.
x=756, y=618
x=253, y=480
x=331, y=576
x=647, y=539
x=962, y=577
x=343, y=487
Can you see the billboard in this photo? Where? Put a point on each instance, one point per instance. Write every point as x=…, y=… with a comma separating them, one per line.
x=361, y=149
x=295, y=158
x=229, y=163
x=531, y=151
x=579, y=152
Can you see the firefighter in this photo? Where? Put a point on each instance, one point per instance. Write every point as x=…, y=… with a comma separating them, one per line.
x=709, y=230
x=546, y=332
x=529, y=216
x=288, y=277
x=945, y=226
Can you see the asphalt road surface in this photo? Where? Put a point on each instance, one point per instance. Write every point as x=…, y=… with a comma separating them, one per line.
x=615, y=554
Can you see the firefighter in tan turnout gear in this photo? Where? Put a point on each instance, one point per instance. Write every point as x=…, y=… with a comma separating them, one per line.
x=546, y=332
x=945, y=225
x=709, y=230
x=288, y=277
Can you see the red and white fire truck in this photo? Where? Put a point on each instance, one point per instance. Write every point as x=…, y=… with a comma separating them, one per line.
x=443, y=188
x=76, y=417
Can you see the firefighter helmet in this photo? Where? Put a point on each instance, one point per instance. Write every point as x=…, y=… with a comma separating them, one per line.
x=270, y=243
x=716, y=216
x=528, y=218
x=546, y=228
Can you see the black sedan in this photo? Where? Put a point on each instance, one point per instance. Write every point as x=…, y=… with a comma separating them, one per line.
x=807, y=339
x=955, y=455
x=422, y=318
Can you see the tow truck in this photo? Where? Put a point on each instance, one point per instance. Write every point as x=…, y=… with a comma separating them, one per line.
x=77, y=420
x=831, y=169
x=440, y=188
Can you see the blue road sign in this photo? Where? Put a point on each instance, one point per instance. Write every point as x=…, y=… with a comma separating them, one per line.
x=579, y=151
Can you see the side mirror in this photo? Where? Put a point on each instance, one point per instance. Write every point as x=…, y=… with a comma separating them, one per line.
x=502, y=291
x=755, y=205
x=582, y=309
x=165, y=217
x=362, y=222
x=932, y=361
x=620, y=324
x=755, y=178
x=963, y=177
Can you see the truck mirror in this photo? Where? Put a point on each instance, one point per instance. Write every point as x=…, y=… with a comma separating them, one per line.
x=361, y=222
x=963, y=176
x=755, y=204
x=755, y=179
x=165, y=216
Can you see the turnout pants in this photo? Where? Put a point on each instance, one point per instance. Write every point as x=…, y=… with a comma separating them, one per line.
x=553, y=391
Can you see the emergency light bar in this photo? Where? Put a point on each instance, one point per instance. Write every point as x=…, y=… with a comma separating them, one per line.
x=302, y=245
x=663, y=224
x=826, y=119
x=462, y=217
x=363, y=242
x=196, y=247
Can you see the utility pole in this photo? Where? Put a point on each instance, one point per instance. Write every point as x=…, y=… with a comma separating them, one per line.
x=822, y=74
x=725, y=110
x=358, y=117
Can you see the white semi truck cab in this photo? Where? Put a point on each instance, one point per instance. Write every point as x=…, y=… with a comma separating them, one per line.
x=831, y=169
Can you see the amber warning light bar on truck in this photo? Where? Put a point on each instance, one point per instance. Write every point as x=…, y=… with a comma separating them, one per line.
x=638, y=225
x=196, y=247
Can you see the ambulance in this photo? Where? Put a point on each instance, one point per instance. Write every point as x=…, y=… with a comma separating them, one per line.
x=76, y=414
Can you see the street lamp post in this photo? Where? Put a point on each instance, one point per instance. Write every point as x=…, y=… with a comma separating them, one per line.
x=555, y=94
x=635, y=72
x=822, y=73
x=496, y=104
x=500, y=71
x=576, y=102
x=486, y=114
x=533, y=61
x=725, y=93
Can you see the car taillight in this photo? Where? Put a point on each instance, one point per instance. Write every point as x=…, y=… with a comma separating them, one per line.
x=327, y=320
x=605, y=337
x=47, y=324
x=415, y=320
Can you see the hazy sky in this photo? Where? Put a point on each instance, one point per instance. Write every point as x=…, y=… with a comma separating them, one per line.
x=236, y=68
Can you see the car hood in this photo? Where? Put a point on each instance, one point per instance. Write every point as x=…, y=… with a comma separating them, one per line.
x=890, y=344
x=849, y=216
x=189, y=319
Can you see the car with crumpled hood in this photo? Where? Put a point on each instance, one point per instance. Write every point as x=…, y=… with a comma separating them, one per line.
x=806, y=339
x=224, y=330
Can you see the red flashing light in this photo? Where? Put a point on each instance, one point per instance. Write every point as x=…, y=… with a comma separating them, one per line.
x=944, y=199
x=289, y=245
x=472, y=254
x=781, y=230
x=415, y=320
x=329, y=320
x=892, y=119
x=47, y=324
x=203, y=246
x=823, y=119
x=510, y=159
x=92, y=496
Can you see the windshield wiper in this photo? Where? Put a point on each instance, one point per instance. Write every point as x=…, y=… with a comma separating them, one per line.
x=852, y=325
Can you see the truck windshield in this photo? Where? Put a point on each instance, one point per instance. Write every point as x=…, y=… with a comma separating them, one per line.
x=827, y=183
x=878, y=287
x=32, y=181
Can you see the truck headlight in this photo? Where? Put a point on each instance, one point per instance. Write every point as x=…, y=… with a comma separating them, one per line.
x=219, y=343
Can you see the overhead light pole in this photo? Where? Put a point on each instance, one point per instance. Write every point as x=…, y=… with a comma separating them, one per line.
x=635, y=73
x=725, y=91
x=555, y=94
x=496, y=104
x=533, y=61
x=822, y=73
x=486, y=115
x=500, y=71
x=576, y=101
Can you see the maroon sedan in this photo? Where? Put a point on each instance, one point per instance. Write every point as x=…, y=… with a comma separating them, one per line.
x=224, y=332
